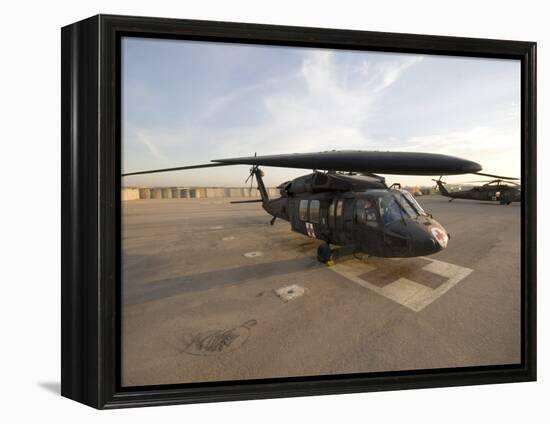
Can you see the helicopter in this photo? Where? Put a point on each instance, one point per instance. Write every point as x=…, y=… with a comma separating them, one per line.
x=348, y=203
x=502, y=190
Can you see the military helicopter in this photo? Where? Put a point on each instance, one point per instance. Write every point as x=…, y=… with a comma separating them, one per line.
x=502, y=190
x=348, y=204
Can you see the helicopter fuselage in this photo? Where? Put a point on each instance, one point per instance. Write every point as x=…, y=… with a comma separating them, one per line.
x=504, y=194
x=358, y=210
x=341, y=207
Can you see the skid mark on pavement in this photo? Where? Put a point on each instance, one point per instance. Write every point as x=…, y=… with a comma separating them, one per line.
x=411, y=282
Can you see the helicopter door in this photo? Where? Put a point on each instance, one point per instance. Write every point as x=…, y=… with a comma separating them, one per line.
x=348, y=216
x=298, y=214
x=331, y=215
x=336, y=220
x=367, y=232
x=323, y=215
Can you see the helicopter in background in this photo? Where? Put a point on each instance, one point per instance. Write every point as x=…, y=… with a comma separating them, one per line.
x=348, y=204
x=503, y=190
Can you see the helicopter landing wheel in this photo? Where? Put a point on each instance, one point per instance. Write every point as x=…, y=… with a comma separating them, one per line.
x=324, y=253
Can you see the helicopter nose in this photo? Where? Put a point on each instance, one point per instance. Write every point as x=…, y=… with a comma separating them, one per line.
x=440, y=236
x=430, y=239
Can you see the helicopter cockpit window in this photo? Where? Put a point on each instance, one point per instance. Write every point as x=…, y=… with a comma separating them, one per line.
x=314, y=211
x=414, y=203
x=303, y=210
x=364, y=213
x=390, y=211
x=372, y=220
x=407, y=207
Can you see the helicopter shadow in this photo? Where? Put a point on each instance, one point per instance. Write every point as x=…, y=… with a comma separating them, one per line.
x=160, y=289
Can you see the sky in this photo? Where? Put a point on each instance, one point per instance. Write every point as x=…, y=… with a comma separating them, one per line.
x=189, y=102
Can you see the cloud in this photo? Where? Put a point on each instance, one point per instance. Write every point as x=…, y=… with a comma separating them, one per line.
x=332, y=107
x=322, y=105
x=382, y=75
x=145, y=138
x=327, y=100
x=495, y=147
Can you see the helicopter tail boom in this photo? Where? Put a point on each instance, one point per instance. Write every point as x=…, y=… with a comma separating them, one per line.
x=258, y=173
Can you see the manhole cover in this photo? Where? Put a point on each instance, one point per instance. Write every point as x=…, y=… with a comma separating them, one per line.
x=229, y=238
x=252, y=254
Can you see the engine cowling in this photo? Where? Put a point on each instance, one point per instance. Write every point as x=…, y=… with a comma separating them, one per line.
x=320, y=182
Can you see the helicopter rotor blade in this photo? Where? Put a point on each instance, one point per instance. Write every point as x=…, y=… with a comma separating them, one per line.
x=500, y=177
x=179, y=168
x=507, y=182
x=397, y=163
x=247, y=201
x=498, y=180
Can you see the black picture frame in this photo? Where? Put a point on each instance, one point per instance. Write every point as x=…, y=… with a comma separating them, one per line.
x=90, y=180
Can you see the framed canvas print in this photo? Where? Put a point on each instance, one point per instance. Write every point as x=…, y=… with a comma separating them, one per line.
x=254, y=211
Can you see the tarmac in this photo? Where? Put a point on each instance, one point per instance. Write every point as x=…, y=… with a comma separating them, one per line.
x=212, y=292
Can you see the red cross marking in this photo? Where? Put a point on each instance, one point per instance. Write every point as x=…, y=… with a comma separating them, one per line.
x=440, y=236
x=309, y=229
x=388, y=271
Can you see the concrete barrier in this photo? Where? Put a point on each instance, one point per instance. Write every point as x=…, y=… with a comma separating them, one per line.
x=197, y=193
x=130, y=193
x=233, y=192
x=273, y=192
x=144, y=193
x=213, y=192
